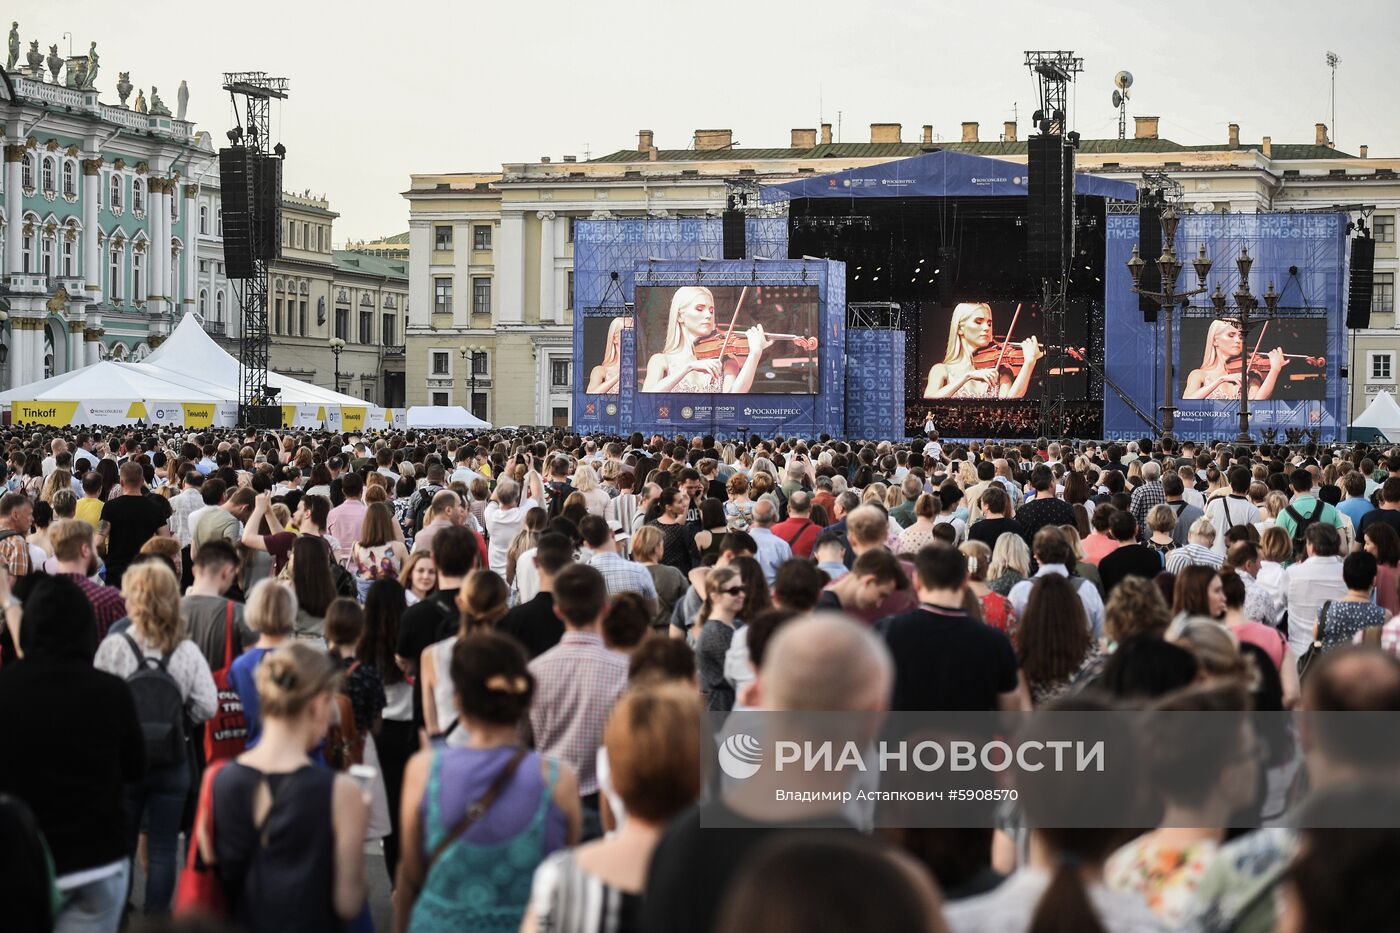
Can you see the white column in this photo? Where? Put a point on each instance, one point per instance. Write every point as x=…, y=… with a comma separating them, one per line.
x=461, y=274
x=420, y=276
x=76, y=354
x=509, y=298
x=25, y=349
x=190, y=294
x=549, y=312
x=92, y=252
x=158, y=255
x=90, y=350
x=14, y=214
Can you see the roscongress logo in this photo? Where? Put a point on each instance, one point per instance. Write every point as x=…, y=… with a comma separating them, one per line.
x=740, y=756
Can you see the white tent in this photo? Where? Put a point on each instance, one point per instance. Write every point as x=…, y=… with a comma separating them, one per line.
x=1383, y=415
x=189, y=366
x=443, y=416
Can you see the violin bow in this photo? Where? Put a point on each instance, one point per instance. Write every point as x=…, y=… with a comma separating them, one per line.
x=1249, y=361
x=729, y=331
x=1004, y=344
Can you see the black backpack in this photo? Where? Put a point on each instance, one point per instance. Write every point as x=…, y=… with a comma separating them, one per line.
x=425, y=501
x=159, y=707
x=1300, y=527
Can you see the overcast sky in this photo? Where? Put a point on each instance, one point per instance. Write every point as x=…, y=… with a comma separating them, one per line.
x=383, y=90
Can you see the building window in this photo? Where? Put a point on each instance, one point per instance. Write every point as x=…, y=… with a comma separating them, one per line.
x=301, y=318
x=442, y=237
x=559, y=373
x=114, y=276
x=479, y=364
x=27, y=172
x=571, y=229
x=479, y=405
x=570, y=297
x=1384, y=227
x=138, y=259
x=366, y=328
x=481, y=236
x=387, y=328
x=441, y=362
x=440, y=398
x=47, y=176
x=204, y=303
x=219, y=305
x=219, y=222
x=1383, y=293
x=481, y=296
x=138, y=195
x=48, y=245
x=115, y=199
x=277, y=305
x=561, y=417
x=204, y=219
x=342, y=322
x=68, y=259
x=306, y=234
x=321, y=238
x=175, y=205
x=442, y=296
x=70, y=176
x=1382, y=367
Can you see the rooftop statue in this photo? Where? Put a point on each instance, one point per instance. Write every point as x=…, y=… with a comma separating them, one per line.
x=182, y=100
x=14, y=47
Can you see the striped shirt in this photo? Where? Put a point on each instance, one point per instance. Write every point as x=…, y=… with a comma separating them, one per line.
x=1192, y=555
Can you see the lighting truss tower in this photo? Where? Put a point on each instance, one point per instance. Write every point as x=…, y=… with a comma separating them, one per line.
x=257, y=91
x=1055, y=72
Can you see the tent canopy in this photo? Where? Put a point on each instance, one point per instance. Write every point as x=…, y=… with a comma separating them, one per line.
x=189, y=366
x=942, y=174
x=444, y=416
x=1383, y=414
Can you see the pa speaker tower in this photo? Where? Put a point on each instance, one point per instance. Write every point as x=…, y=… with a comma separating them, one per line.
x=1149, y=248
x=734, y=238
x=1363, y=259
x=268, y=214
x=1049, y=186
x=236, y=185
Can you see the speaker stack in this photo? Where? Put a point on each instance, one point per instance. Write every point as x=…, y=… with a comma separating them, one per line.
x=1149, y=248
x=251, y=193
x=1049, y=189
x=1363, y=260
x=735, y=246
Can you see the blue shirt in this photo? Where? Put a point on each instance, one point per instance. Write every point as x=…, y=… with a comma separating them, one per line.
x=241, y=675
x=1354, y=509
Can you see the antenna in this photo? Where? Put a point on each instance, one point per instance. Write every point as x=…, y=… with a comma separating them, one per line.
x=1122, y=81
x=1332, y=61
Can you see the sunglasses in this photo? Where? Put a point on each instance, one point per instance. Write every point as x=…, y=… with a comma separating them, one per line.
x=734, y=591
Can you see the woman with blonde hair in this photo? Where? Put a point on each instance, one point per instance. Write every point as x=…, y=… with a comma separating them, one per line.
x=289, y=836
x=587, y=485
x=418, y=577
x=969, y=330
x=738, y=511
x=677, y=369
x=1213, y=379
x=1275, y=554
x=1011, y=563
x=58, y=479
x=1082, y=567
x=1161, y=522
x=483, y=601
x=671, y=584
x=156, y=640
x=997, y=610
x=526, y=538
x=379, y=554
x=603, y=379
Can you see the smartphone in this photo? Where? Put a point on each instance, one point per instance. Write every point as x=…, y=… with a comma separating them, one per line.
x=364, y=775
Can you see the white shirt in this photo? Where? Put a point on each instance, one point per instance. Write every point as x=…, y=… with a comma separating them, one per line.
x=1240, y=512
x=81, y=457
x=502, y=525
x=1307, y=586
x=464, y=475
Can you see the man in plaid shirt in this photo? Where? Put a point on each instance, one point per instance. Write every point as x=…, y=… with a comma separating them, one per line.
x=576, y=683
x=620, y=574
x=1147, y=496
x=73, y=550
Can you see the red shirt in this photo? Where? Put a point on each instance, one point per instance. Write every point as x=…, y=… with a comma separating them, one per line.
x=800, y=534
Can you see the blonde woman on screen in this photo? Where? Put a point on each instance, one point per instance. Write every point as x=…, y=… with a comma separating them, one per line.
x=677, y=368
x=1215, y=380
x=604, y=378
x=957, y=377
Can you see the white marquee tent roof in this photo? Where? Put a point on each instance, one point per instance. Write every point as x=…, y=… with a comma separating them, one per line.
x=443, y=416
x=188, y=367
x=1383, y=415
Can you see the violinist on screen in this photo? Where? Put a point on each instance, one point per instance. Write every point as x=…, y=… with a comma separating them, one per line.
x=1221, y=370
x=699, y=357
x=604, y=377
x=959, y=375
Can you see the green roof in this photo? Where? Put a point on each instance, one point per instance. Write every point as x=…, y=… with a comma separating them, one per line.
x=396, y=238
x=1281, y=151
x=365, y=264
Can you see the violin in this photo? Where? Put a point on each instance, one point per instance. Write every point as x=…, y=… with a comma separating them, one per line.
x=732, y=342
x=1260, y=365
x=1009, y=356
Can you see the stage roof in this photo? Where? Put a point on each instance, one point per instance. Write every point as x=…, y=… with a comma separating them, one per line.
x=940, y=174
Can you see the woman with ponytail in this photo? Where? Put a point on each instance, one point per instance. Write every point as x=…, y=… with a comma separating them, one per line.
x=483, y=601
x=1060, y=888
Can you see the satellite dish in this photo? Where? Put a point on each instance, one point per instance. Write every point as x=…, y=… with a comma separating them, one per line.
x=1123, y=80
x=1117, y=99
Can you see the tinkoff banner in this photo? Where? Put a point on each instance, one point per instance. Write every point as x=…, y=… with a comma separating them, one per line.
x=61, y=414
x=352, y=418
x=53, y=414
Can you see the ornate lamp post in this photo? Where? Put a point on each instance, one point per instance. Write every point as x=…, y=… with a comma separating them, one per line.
x=1245, y=304
x=337, y=346
x=1167, y=299
x=469, y=353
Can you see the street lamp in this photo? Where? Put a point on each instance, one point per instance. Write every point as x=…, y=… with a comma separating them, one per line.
x=337, y=345
x=1245, y=302
x=469, y=352
x=1168, y=298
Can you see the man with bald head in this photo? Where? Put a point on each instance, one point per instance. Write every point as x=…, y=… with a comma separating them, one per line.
x=446, y=509
x=1239, y=890
x=798, y=530
x=772, y=550
x=824, y=663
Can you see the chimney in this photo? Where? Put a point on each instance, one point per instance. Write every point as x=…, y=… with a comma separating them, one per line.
x=644, y=140
x=544, y=160
x=1361, y=152
x=804, y=139
x=928, y=134
x=1268, y=147
x=885, y=132
x=1008, y=131
x=1321, y=136
x=969, y=132
x=1145, y=127
x=1234, y=136
x=714, y=139
x=826, y=134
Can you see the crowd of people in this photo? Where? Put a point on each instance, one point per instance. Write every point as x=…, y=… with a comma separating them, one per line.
x=250, y=669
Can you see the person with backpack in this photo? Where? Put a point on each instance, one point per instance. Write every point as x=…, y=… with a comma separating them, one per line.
x=422, y=497
x=1305, y=510
x=170, y=684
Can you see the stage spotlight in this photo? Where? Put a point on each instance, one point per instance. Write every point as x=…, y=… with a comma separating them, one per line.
x=280, y=151
x=936, y=271
x=1038, y=116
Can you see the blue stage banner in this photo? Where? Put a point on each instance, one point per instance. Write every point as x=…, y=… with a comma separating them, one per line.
x=796, y=386
x=1309, y=336
x=874, y=384
x=604, y=248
